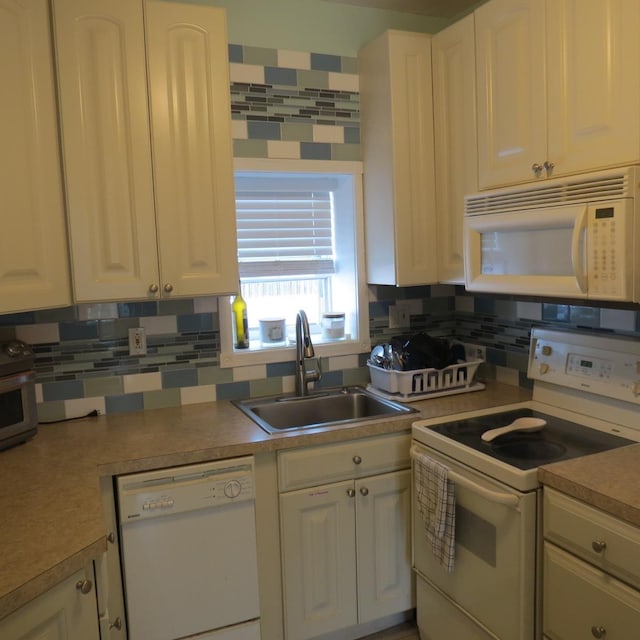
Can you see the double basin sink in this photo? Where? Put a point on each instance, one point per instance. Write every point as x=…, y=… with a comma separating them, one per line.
x=333, y=407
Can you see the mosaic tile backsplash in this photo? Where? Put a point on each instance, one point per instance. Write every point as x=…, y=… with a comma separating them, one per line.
x=295, y=105
x=285, y=104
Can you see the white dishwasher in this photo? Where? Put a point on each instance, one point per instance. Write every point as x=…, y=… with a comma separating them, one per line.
x=188, y=544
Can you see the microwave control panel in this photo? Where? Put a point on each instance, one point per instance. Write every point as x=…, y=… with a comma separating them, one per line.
x=608, y=229
x=601, y=365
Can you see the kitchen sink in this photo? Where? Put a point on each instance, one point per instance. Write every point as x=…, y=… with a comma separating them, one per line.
x=323, y=409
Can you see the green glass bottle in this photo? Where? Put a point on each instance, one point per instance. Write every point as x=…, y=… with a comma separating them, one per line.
x=240, y=322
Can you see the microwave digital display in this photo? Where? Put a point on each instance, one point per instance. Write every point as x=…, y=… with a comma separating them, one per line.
x=606, y=212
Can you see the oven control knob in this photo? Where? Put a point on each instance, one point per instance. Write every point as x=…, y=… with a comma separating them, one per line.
x=546, y=350
x=232, y=489
x=544, y=368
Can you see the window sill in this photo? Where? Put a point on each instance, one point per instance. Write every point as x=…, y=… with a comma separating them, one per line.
x=269, y=355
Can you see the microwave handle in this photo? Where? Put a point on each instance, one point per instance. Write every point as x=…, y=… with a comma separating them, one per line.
x=577, y=250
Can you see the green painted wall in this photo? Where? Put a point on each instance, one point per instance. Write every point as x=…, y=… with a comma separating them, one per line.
x=313, y=25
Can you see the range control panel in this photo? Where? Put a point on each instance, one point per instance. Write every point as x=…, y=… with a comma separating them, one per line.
x=159, y=493
x=597, y=364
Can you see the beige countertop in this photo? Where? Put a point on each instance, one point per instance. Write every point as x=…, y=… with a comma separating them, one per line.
x=50, y=501
x=609, y=481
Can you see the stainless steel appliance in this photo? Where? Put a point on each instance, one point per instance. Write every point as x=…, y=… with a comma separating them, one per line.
x=575, y=237
x=18, y=413
x=587, y=390
x=189, y=557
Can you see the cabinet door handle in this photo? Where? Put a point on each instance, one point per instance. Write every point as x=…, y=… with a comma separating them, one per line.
x=84, y=586
x=537, y=168
x=357, y=459
x=598, y=632
x=153, y=288
x=351, y=492
x=116, y=624
x=168, y=287
x=599, y=545
x=549, y=167
x=364, y=491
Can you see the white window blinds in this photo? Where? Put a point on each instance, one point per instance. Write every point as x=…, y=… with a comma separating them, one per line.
x=285, y=224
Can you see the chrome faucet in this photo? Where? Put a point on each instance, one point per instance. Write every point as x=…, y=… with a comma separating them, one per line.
x=304, y=349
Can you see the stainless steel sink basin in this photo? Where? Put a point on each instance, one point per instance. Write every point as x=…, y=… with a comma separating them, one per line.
x=322, y=409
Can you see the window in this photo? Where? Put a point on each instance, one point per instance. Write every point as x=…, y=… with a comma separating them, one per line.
x=299, y=247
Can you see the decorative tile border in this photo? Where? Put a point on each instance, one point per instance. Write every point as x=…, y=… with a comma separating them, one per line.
x=291, y=104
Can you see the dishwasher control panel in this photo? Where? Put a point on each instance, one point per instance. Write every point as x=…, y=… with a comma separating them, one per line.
x=153, y=494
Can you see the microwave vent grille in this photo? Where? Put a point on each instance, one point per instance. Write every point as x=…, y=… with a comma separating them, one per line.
x=594, y=188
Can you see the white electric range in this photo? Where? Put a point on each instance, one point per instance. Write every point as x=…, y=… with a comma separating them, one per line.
x=587, y=390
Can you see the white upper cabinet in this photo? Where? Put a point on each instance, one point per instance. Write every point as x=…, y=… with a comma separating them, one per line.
x=510, y=74
x=147, y=148
x=557, y=93
x=454, y=114
x=397, y=146
x=33, y=247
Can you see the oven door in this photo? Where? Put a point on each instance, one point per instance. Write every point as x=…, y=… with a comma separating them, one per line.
x=492, y=587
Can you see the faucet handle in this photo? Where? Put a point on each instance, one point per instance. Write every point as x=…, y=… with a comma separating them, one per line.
x=313, y=375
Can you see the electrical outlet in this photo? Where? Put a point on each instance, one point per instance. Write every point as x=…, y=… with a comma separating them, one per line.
x=137, y=342
x=475, y=352
x=400, y=314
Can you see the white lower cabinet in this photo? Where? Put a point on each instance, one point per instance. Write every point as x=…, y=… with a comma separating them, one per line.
x=66, y=612
x=345, y=544
x=591, y=577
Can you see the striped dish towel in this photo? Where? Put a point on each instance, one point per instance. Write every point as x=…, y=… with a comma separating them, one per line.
x=435, y=501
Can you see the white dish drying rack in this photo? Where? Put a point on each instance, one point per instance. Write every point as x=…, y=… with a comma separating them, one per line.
x=419, y=384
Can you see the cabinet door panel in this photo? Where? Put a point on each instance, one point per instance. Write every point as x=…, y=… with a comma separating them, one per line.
x=510, y=67
x=191, y=138
x=319, y=560
x=593, y=89
x=454, y=100
x=103, y=95
x=62, y=613
x=385, y=583
x=33, y=248
x=579, y=597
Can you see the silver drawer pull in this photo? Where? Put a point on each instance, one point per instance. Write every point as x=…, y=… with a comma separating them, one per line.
x=364, y=491
x=598, y=632
x=351, y=492
x=357, y=459
x=598, y=546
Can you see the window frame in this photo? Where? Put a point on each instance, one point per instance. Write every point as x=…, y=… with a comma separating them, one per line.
x=232, y=358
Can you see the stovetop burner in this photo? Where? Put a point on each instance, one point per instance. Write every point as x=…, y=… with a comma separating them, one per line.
x=558, y=440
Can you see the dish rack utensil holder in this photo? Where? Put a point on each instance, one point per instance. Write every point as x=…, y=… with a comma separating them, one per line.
x=418, y=384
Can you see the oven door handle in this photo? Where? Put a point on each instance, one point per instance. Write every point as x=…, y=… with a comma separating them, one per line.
x=500, y=497
x=508, y=499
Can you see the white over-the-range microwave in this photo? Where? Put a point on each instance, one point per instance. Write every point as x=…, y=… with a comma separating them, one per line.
x=574, y=237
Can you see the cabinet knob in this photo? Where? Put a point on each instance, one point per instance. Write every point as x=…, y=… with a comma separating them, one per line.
x=153, y=288
x=537, y=168
x=168, y=287
x=111, y=537
x=549, y=167
x=116, y=624
x=84, y=586
x=598, y=546
x=351, y=492
x=357, y=459
x=364, y=491
x=598, y=632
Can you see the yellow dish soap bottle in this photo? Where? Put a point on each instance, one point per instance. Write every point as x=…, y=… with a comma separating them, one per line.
x=240, y=322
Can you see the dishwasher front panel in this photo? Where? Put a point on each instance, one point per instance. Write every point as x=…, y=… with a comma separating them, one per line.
x=192, y=570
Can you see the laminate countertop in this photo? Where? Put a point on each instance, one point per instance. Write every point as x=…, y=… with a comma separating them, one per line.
x=50, y=499
x=609, y=481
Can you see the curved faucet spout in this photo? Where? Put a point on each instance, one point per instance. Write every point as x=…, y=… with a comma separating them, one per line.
x=304, y=349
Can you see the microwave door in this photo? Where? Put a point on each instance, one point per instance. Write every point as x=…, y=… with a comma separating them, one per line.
x=532, y=252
